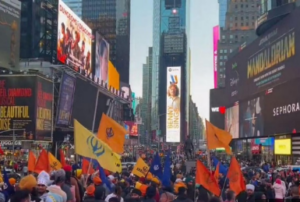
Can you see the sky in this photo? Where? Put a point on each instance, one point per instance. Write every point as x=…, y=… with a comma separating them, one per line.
x=203, y=17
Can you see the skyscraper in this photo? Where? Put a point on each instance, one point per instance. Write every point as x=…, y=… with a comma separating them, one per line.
x=239, y=29
x=112, y=19
x=75, y=6
x=170, y=48
x=222, y=12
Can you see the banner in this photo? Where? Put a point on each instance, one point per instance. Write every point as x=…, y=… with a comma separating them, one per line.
x=232, y=121
x=74, y=41
x=101, y=59
x=17, y=107
x=10, y=33
x=216, y=37
x=282, y=147
x=44, y=111
x=65, y=103
x=173, y=104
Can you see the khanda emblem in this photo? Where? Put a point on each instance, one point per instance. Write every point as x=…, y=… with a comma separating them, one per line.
x=54, y=165
x=96, y=146
x=109, y=133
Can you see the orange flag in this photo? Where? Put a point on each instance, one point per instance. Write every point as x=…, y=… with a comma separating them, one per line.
x=62, y=157
x=235, y=176
x=217, y=172
x=42, y=162
x=85, y=167
x=205, y=178
x=31, y=161
x=217, y=138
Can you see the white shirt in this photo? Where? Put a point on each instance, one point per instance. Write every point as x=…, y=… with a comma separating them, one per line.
x=111, y=196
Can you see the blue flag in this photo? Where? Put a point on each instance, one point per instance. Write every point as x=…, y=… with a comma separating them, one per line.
x=156, y=168
x=222, y=169
x=166, y=178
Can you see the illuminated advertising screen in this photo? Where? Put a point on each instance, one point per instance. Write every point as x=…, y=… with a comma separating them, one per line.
x=101, y=59
x=282, y=108
x=216, y=37
x=173, y=104
x=232, y=121
x=282, y=146
x=65, y=103
x=216, y=102
x=74, y=41
x=10, y=33
x=268, y=61
x=252, y=117
x=44, y=111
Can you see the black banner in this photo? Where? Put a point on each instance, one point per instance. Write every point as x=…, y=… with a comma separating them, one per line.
x=84, y=103
x=17, y=107
x=44, y=111
x=282, y=109
x=65, y=103
x=268, y=61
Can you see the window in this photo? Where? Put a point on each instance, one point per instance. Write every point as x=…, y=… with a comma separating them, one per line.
x=242, y=24
x=236, y=18
x=221, y=57
x=221, y=63
x=247, y=24
x=236, y=36
x=225, y=51
x=223, y=36
x=225, y=57
x=221, y=51
x=231, y=36
x=231, y=24
x=230, y=50
x=242, y=6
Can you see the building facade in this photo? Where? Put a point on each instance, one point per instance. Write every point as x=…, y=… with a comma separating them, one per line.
x=170, y=48
x=112, y=19
x=196, y=126
x=222, y=12
x=75, y=6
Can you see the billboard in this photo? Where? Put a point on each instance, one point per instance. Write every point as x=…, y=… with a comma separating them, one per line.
x=283, y=147
x=126, y=89
x=44, y=109
x=216, y=102
x=74, y=41
x=216, y=37
x=282, y=108
x=232, y=120
x=268, y=61
x=101, y=59
x=10, y=33
x=173, y=104
x=65, y=102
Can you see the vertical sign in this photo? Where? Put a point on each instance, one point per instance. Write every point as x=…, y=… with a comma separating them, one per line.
x=65, y=103
x=44, y=110
x=173, y=104
x=216, y=37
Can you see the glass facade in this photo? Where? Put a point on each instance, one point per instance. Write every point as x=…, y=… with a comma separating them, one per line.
x=222, y=12
x=75, y=6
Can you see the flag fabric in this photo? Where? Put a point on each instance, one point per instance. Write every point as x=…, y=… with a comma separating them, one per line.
x=54, y=164
x=42, y=162
x=88, y=145
x=141, y=168
x=235, y=176
x=31, y=161
x=104, y=178
x=112, y=133
x=205, y=179
x=1, y=151
x=217, y=138
x=62, y=158
x=86, y=169
x=156, y=168
x=217, y=172
x=222, y=169
x=166, y=178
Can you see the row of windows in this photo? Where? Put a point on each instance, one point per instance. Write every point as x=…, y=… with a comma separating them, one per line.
x=225, y=51
x=242, y=24
x=246, y=6
x=243, y=17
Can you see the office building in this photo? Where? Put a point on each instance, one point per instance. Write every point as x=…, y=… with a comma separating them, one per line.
x=170, y=49
x=145, y=129
x=112, y=19
x=222, y=12
x=75, y=6
x=196, y=126
x=239, y=29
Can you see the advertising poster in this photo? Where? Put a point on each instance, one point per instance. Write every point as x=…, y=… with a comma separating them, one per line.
x=173, y=104
x=65, y=103
x=44, y=109
x=17, y=107
x=282, y=109
x=282, y=147
x=10, y=33
x=216, y=100
x=101, y=59
x=216, y=37
x=232, y=121
x=74, y=41
x=251, y=118
x=125, y=87
x=270, y=60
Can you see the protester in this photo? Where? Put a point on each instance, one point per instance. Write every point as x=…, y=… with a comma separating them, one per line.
x=59, y=179
x=116, y=194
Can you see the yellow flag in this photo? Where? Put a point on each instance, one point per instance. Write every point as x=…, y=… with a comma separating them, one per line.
x=112, y=133
x=88, y=145
x=140, y=169
x=54, y=164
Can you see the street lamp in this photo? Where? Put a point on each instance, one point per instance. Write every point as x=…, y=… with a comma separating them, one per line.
x=14, y=138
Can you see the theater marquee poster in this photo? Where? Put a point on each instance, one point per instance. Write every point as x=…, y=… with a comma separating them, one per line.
x=19, y=114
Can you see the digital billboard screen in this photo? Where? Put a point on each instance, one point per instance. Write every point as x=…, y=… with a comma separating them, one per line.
x=74, y=41
x=17, y=107
x=10, y=33
x=232, y=121
x=65, y=102
x=282, y=108
x=216, y=102
x=101, y=59
x=268, y=61
x=173, y=104
x=44, y=109
x=283, y=147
